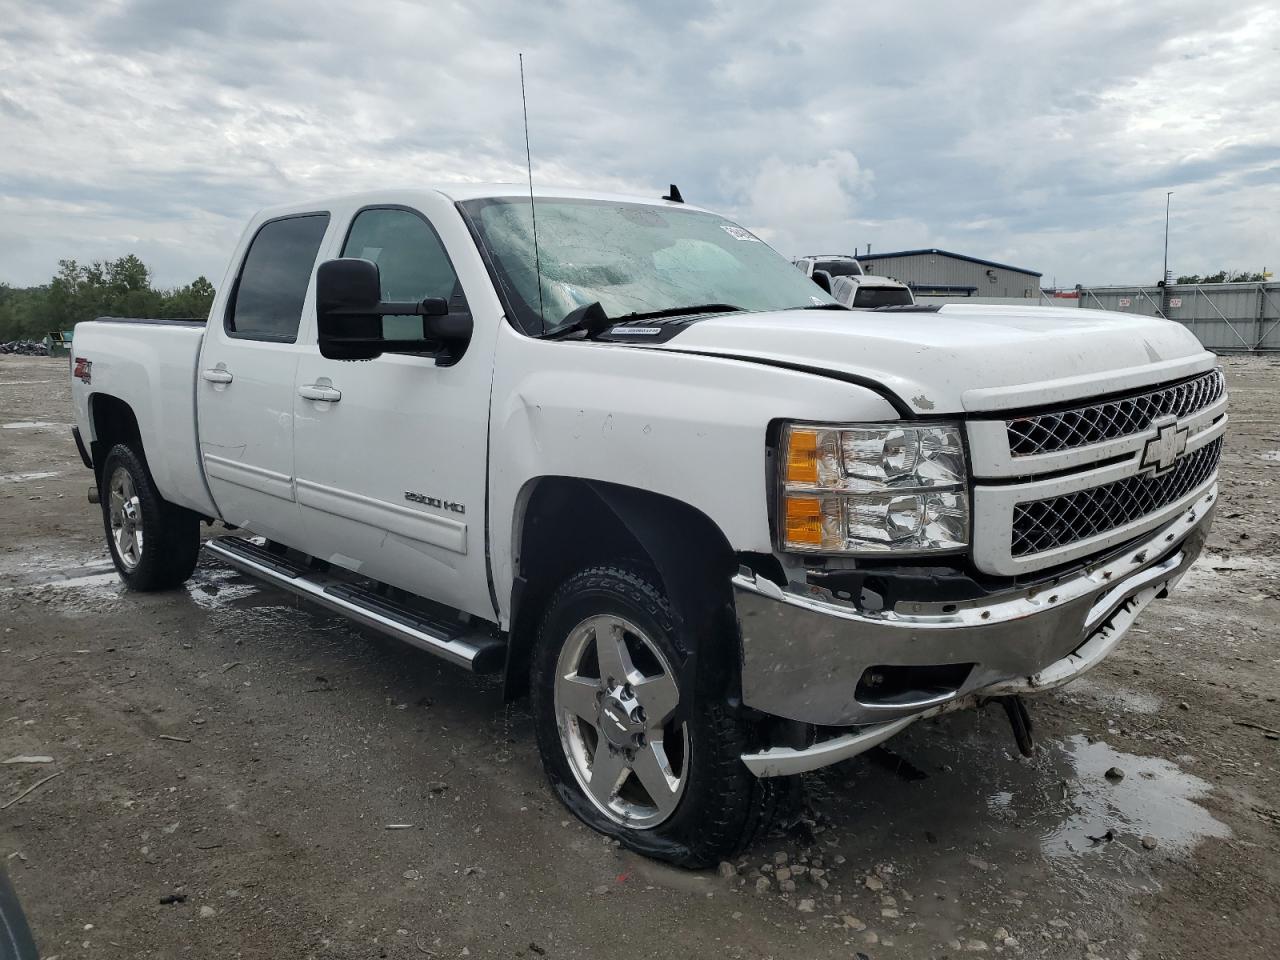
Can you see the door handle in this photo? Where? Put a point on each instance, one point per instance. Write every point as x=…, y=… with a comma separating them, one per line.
x=319, y=391
x=217, y=375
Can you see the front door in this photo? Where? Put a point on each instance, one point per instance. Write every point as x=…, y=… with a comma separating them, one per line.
x=245, y=378
x=390, y=453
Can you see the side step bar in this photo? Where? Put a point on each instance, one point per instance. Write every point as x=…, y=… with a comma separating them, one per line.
x=464, y=646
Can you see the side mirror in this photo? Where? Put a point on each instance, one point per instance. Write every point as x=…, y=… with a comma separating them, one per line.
x=350, y=308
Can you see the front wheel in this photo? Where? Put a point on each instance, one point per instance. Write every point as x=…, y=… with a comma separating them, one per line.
x=154, y=544
x=628, y=743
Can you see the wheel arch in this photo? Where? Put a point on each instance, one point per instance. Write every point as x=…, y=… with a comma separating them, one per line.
x=566, y=523
x=111, y=421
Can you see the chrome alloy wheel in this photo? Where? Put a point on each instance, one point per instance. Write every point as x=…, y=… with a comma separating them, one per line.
x=615, y=693
x=126, y=518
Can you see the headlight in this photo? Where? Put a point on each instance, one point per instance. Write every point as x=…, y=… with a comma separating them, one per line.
x=874, y=488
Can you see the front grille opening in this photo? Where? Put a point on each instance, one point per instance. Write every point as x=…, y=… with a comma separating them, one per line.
x=1042, y=525
x=886, y=685
x=1110, y=419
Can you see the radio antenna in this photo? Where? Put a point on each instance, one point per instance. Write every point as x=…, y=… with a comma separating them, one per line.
x=533, y=210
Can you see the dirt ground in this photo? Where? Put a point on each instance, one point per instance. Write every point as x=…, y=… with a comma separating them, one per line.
x=246, y=758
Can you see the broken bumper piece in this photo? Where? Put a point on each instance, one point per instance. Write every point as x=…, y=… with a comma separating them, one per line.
x=804, y=654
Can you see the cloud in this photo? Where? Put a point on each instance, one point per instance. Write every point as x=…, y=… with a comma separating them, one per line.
x=1029, y=132
x=796, y=203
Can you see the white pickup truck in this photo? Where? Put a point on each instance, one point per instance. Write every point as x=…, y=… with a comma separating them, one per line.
x=842, y=276
x=721, y=528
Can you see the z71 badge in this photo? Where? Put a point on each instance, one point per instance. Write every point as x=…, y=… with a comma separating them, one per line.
x=435, y=502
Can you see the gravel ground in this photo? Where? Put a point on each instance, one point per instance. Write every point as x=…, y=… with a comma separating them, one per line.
x=231, y=764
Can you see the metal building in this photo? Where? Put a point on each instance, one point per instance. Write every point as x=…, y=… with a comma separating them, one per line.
x=942, y=273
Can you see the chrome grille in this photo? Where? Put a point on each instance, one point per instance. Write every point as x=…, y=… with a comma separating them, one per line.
x=1110, y=419
x=1042, y=525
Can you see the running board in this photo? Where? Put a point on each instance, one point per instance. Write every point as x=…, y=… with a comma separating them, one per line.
x=460, y=644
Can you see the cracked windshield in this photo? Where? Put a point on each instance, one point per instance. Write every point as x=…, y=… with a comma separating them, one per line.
x=631, y=258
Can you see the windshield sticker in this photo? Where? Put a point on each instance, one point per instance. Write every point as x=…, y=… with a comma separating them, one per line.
x=735, y=231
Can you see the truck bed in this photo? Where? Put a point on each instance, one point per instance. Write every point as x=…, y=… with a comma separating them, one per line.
x=151, y=365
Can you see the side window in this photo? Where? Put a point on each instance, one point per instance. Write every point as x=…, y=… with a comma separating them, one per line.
x=411, y=260
x=267, y=304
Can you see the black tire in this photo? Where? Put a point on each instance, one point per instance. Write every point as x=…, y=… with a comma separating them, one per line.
x=723, y=807
x=171, y=534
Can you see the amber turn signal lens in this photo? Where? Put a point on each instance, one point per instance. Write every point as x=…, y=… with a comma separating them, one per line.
x=802, y=457
x=803, y=521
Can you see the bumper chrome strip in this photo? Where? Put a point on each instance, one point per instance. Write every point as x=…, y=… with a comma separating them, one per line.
x=804, y=651
x=787, y=761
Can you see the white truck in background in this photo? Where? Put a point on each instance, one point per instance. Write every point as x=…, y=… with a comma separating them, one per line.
x=721, y=528
x=842, y=276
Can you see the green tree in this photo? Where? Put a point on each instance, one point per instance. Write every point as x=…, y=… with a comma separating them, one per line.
x=1223, y=276
x=119, y=287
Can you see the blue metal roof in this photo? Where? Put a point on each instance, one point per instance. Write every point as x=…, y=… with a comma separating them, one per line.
x=947, y=253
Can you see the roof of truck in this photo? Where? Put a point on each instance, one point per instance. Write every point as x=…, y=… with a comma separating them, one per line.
x=478, y=191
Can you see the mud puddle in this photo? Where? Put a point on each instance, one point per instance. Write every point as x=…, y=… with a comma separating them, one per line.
x=965, y=766
x=27, y=569
x=931, y=814
x=211, y=587
x=1154, y=801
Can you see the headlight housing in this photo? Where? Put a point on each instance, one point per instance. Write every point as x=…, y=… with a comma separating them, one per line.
x=873, y=489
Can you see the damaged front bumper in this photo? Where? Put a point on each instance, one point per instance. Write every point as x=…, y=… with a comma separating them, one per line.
x=805, y=653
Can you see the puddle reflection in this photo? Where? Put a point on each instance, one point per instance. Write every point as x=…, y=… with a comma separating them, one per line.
x=957, y=781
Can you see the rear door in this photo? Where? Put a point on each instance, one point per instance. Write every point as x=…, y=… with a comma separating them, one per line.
x=391, y=453
x=245, y=378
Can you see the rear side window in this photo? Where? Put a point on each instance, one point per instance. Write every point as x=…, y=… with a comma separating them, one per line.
x=267, y=304
x=839, y=268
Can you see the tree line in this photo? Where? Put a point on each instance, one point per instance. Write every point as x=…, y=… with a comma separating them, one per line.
x=82, y=291
x=1224, y=276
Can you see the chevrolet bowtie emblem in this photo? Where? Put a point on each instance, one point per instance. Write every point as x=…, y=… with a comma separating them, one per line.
x=1163, y=450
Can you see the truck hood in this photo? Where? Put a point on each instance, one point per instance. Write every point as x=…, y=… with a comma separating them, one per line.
x=961, y=358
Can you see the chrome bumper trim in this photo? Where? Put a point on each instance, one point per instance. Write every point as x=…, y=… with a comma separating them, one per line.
x=786, y=761
x=804, y=651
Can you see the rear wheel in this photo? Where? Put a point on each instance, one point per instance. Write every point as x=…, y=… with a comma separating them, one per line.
x=629, y=744
x=154, y=544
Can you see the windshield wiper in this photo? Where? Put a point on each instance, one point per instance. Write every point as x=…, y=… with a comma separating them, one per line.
x=681, y=311
x=825, y=306
x=590, y=318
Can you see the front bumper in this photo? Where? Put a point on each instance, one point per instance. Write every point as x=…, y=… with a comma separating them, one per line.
x=804, y=651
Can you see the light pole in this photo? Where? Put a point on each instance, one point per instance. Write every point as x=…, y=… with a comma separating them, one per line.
x=1164, y=277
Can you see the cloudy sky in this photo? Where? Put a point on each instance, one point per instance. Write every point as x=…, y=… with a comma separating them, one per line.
x=1035, y=132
